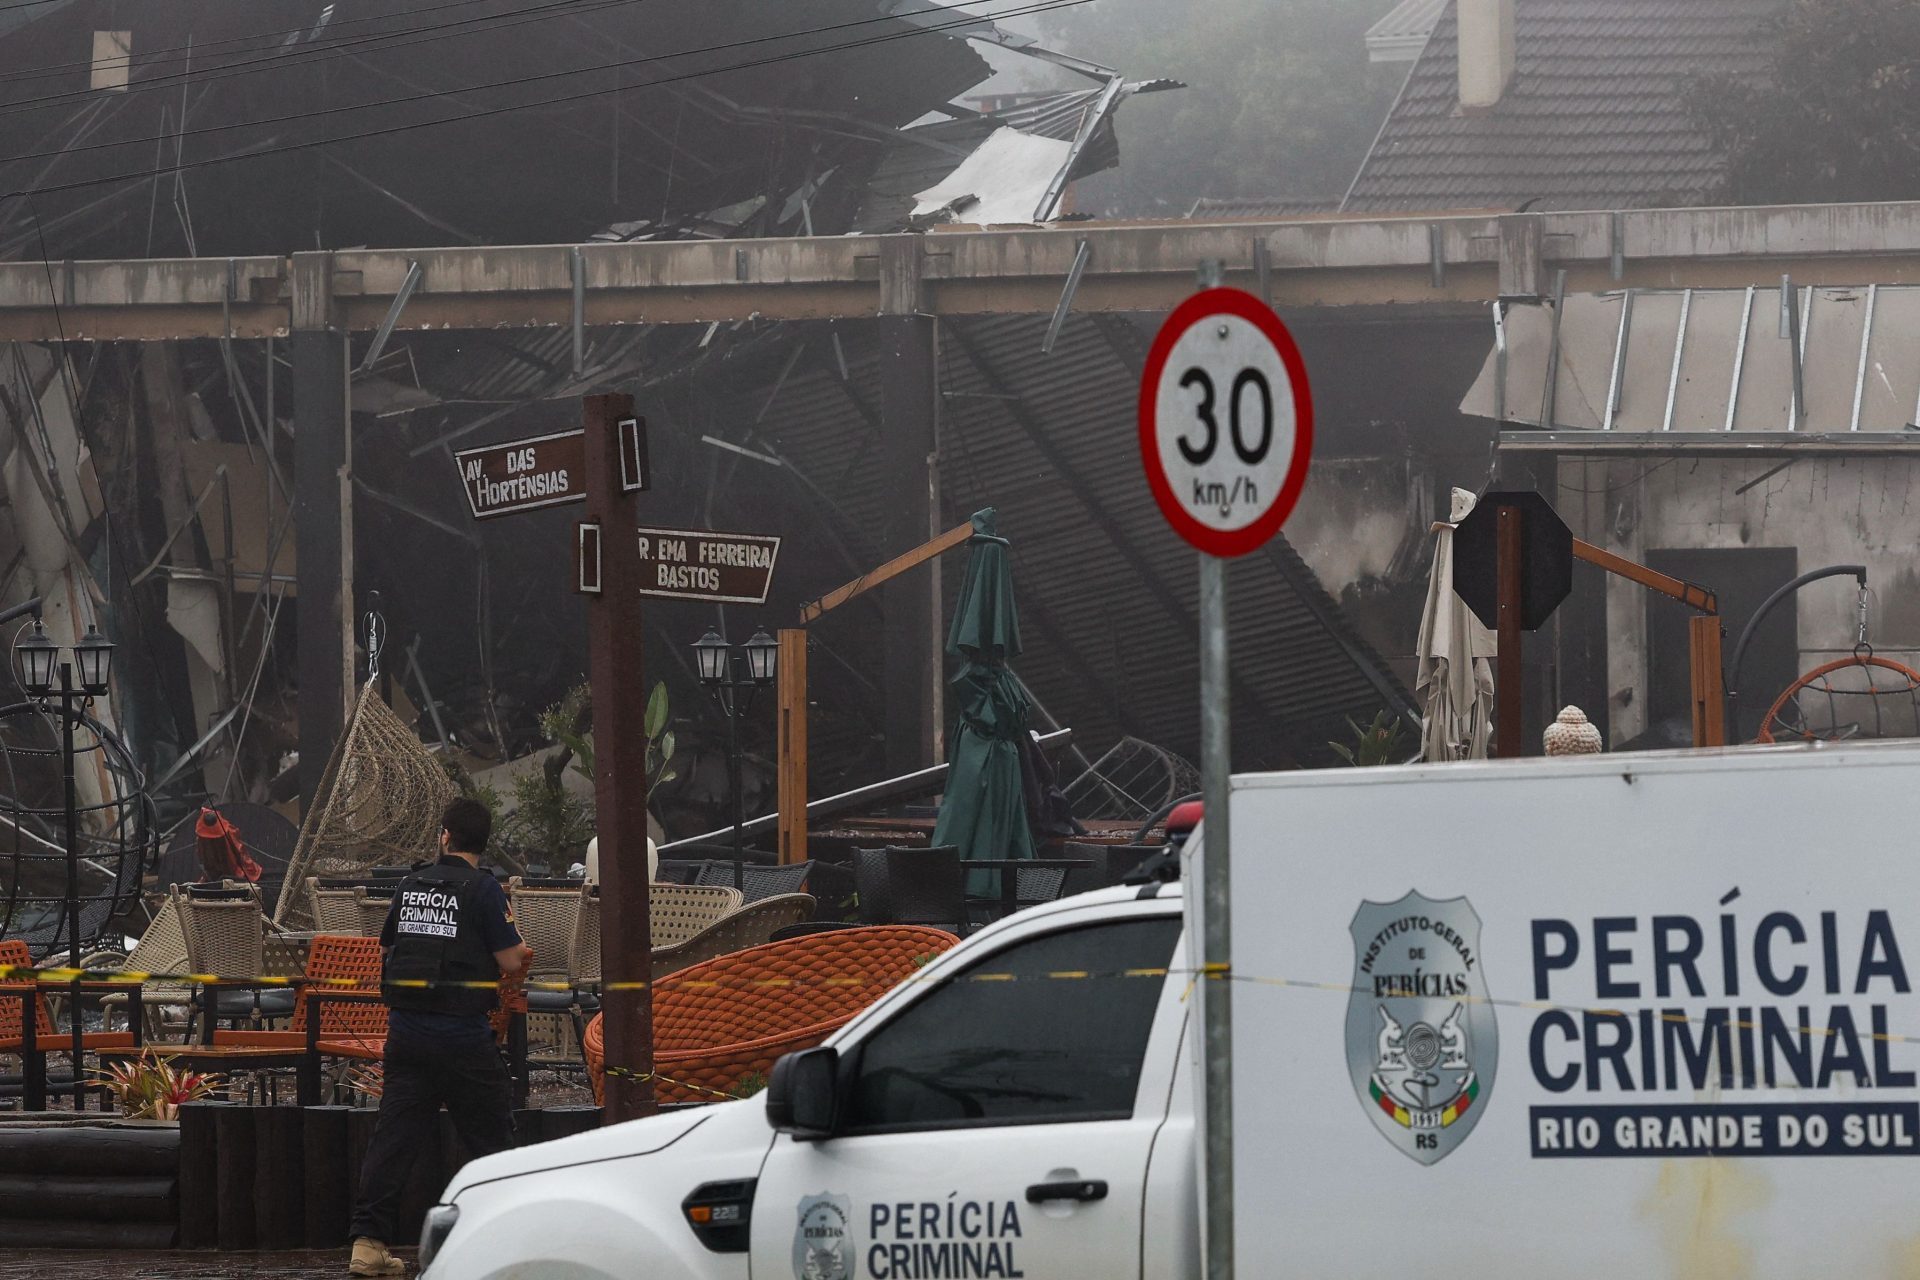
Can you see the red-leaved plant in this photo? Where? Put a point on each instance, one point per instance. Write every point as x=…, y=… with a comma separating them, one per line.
x=151, y=1088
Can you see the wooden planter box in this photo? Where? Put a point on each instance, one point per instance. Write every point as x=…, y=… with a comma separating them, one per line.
x=96, y=1183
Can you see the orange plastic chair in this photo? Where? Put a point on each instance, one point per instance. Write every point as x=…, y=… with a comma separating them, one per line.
x=720, y=1024
x=357, y=1028
x=348, y=1028
x=14, y=953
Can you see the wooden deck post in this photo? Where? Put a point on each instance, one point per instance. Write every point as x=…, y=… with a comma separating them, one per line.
x=792, y=730
x=1709, y=694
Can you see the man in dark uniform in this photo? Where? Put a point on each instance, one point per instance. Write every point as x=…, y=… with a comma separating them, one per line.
x=449, y=924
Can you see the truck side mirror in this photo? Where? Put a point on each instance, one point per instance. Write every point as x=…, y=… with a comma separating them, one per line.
x=803, y=1094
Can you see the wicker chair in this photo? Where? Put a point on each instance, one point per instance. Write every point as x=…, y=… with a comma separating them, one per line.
x=226, y=936
x=1112, y=863
x=161, y=949
x=583, y=957
x=757, y=882
x=911, y=886
x=679, y=911
x=371, y=904
x=750, y=926
x=719, y=1025
x=335, y=910
x=548, y=919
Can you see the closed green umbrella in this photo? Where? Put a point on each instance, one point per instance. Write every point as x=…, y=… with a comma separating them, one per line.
x=984, y=812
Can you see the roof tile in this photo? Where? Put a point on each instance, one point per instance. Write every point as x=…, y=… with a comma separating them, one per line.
x=1593, y=118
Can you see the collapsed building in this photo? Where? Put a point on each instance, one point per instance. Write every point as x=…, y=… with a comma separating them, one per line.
x=161, y=483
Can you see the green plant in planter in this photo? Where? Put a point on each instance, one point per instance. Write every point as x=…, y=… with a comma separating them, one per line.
x=1380, y=742
x=548, y=820
x=569, y=721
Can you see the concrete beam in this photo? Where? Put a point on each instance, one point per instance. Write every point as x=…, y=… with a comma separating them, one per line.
x=1419, y=260
x=323, y=518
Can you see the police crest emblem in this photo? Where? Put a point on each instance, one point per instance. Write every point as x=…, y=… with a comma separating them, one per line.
x=1422, y=1045
x=823, y=1239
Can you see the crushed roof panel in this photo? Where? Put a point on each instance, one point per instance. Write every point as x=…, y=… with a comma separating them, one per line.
x=1400, y=35
x=1593, y=120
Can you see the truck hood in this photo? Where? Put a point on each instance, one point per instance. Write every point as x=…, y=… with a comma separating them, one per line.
x=614, y=1142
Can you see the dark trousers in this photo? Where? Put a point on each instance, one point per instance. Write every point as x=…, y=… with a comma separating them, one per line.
x=471, y=1080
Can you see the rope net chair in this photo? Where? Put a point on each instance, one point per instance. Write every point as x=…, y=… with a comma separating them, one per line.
x=1857, y=697
x=379, y=804
x=719, y=1027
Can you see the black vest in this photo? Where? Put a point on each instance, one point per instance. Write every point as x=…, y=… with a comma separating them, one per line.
x=437, y=938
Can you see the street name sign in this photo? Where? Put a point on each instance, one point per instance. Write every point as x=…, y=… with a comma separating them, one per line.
x=545, y=471
x=1226, y=422
x=524, y=475
x=692, y=564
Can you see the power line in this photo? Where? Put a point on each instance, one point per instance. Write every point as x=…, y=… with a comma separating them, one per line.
x=147, y=59
x=1046, y=6
x=300, y=56
x=178, y=137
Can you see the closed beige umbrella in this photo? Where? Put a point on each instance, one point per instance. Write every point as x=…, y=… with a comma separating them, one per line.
x=1455, y=656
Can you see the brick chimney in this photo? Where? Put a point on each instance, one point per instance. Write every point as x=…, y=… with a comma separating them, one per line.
x=1486, y=53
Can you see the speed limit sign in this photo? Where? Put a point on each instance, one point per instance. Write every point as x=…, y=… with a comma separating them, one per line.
x=1226, y=422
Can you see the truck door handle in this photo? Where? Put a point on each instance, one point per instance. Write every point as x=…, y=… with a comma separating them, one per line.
x=1091, y=1189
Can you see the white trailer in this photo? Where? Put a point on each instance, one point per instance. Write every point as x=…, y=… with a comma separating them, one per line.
x=1637, y=1015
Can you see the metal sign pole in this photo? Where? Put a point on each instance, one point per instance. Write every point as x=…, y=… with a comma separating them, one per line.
x=1216, y=772
x=1221, y=353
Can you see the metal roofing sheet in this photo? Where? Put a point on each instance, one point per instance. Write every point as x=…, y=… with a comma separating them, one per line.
x=1106, y=591
x=1399, y=36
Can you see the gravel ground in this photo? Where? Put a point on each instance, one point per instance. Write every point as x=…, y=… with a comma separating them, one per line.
x=76, y=1264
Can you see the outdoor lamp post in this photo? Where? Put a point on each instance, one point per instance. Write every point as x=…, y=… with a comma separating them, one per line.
x=45, y=676
x=729, y=673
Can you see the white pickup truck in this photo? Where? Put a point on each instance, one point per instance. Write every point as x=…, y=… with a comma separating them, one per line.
x=1608, y=1016
x=994, y=1117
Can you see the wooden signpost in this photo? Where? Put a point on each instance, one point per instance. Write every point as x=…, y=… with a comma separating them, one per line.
x=615, y=563
x=619, y=760
x=603, y=464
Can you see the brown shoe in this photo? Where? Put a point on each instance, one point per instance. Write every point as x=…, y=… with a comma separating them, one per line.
x=370, y=1258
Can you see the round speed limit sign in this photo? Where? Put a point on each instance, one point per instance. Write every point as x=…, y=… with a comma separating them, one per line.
x=1226, y=422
